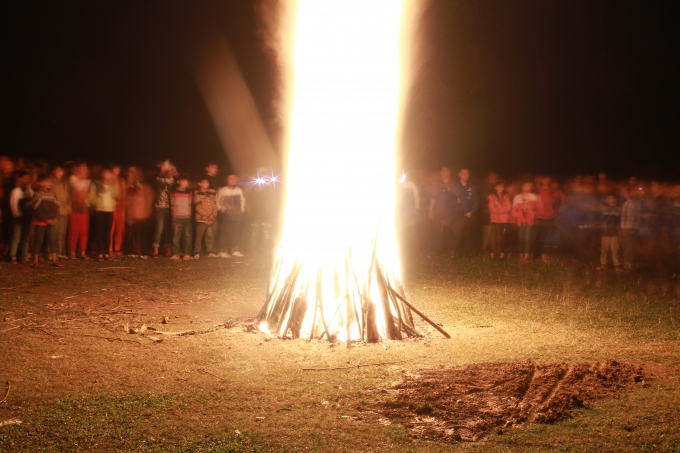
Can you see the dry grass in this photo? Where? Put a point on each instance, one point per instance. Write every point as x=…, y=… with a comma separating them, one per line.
x=80, y=383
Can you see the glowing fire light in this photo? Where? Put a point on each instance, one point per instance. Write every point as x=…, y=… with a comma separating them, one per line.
x=337, y=270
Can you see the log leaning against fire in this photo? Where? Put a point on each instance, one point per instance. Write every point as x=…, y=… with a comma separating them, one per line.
x=287, y=304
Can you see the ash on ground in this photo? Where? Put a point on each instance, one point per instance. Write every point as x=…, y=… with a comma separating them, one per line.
x=469, y=402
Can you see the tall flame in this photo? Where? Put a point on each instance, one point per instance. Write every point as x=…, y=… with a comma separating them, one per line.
x=338, y=251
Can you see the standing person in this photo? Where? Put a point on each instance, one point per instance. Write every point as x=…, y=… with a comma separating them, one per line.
x=61, y=193
x=442, y=205
x=45, y=213
x=463, y=223
x=524, y=207
x=499, y=207
x=138, y=201
x=19, y=197
x=231, y=204
x=630, y=226
x=79, y=218
x=181, y=199
x=103, y=195
x=165, y=181
x=485, y=190
x=118, y=225
x=206, y=212
x=610, y=222
x=211, y=174
x=545, y=217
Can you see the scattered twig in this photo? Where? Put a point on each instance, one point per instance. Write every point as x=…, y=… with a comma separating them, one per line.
x=114, y=267
x=358, y=365
x=201, y=370
x=197, y=332
x=44, y=331
x=11, y=328
x=113, y=339
x=9, y=386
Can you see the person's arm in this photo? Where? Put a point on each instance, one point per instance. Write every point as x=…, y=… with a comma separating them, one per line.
x=430, y=212
x=14, y=198
x=243, y=201
x=475, y=201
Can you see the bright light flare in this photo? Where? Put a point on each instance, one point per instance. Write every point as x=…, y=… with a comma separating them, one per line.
x=338, y=241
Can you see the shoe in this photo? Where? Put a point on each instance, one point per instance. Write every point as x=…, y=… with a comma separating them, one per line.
x=109, y=257
x=14, y=261
x=100, y=257
x=224, y=255
x=144, y=257
x=174, y=257
x=133, y=256
x=186, y=257
x=197, y=256
x=619, y=270
x=63, y=257
x=237, y=254
x=212, y=255
x=56, y=264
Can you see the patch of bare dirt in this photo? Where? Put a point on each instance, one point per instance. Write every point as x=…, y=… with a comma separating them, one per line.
x=469, y=402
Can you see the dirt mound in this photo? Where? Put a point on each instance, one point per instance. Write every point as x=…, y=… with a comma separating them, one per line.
x=469, y=402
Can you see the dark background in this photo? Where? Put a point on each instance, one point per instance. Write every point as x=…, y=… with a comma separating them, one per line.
x=563, y=87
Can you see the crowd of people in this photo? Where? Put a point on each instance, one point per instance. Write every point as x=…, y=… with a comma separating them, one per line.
x=77, y=211
x=80, y=211
x=626, y=225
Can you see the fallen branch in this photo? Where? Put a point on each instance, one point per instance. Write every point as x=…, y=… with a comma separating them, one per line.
x=196, y=332
x=358, y=365
x=113, y=339
x=201, y=370
x=418, y=312
x=9, y=386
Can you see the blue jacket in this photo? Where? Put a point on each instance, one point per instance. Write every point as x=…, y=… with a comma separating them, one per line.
x=468, y=197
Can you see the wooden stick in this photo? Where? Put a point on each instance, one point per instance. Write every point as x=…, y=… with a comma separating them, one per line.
x=358, y=365
x=113, y=339
x=9, y=386
x=419, y=313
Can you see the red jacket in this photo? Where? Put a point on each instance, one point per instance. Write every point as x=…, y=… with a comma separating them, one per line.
x=500, y=209
x=525, y=206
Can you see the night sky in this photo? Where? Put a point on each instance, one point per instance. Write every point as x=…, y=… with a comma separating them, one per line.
x=563, y=87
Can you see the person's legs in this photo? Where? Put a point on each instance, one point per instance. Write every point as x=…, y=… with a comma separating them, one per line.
x=493, y=239
x=161, y=215
x=176, y=235
x=201, y=229
x=209, y=236
x=40, y=232
x=456, y=236
x=117, y=230
x=614, y=247
x=17, y=231
x=186, y=233
x=60, y=235
x=628, y=250
x=99, y=233
x=604, y=248
x=25, y=236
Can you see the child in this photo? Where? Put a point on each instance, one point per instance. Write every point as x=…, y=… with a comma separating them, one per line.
x=165, y=181
x=180, y=199
x=79, y=218
x=610, y=222
x=60, y=191
x=118, y=223
x=524, y=208
x=206, y=210
x=21, y=223
x=45, y=209
x=499, y=212
x=231, y=204
x=103, y=194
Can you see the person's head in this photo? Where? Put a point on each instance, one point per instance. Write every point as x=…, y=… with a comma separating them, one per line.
x=601, y=176
x=232, y=180
x=499, y=187
x=81, y=170
x=165, y=167
x=131, y=175
x=58, y=172
x=464, y=175
x=632, y=181
x=655, y=188
x=610, y=199
x=115, y=170
x=23, y=178
x=211, y=169
x=492, y=179
x=6, y=167
x=445, y=173
x=107, y=174
x=43, y=182
x=183, y=182
x=204, y=184
x=527, y=187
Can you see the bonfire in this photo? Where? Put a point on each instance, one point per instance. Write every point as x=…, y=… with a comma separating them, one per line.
x=337, y=273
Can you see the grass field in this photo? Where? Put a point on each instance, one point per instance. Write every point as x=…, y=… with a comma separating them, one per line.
x=79, y=382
